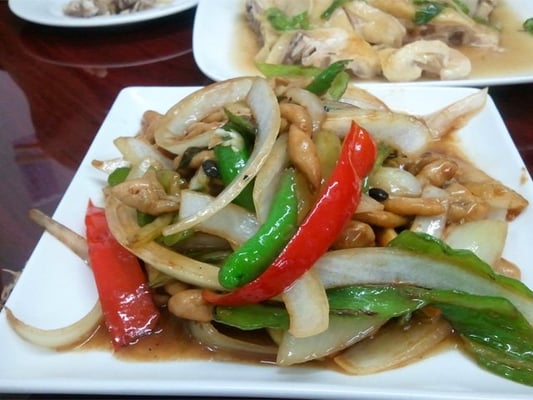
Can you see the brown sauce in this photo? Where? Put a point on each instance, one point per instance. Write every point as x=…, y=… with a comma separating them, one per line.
x=514, y=58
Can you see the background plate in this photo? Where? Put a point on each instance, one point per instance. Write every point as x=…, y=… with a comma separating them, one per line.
x=50, y=12
x=56, y=289
x=222, y=51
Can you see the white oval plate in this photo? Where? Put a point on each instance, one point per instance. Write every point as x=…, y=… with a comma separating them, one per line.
x=51, y=13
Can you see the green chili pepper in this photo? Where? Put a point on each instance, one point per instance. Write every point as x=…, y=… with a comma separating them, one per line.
x=323, y=81
x=256, y=254
x=232, y=155
x=119, y=175
x=240, y=124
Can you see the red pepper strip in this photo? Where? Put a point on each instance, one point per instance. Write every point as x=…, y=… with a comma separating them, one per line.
x=127, y=304
x=319, y=229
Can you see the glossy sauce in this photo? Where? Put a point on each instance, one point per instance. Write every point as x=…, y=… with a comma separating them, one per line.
x=514, y=58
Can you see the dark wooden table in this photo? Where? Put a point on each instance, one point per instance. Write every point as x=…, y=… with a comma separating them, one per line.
x=57, y=85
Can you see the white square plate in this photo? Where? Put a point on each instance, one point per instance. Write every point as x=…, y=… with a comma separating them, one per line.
x=56, y=289
x=222, y=52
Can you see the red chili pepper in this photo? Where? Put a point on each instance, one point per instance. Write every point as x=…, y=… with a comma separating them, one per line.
x=127, y=304
x=319, y=229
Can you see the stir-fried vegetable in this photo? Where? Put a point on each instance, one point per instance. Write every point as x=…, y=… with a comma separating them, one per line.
x=318, y=231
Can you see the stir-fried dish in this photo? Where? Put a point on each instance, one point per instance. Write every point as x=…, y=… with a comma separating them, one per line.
x=93, y=8
x=314, y=216
x=400, y=40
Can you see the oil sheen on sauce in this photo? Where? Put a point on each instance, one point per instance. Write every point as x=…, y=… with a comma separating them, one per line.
x=513, y=58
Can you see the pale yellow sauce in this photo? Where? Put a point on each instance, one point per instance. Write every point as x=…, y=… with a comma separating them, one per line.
x=515, y=56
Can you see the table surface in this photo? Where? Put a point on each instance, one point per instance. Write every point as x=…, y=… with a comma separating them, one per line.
x=57, y=85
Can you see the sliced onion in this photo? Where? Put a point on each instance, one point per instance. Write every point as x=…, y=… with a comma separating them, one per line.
x=385, y=265
x=135, y=150
x=362, y=98
x=268, y=178
x=396, y=181
x=404, y=132
x=432, y=225
x=68, y=336
x=307, y=305
x=343, y=331
x=233, y=223
x=171, y=129
x=456, y=114
x=394, y=346
x=486, y=238
x=368, y=204
x=76, y=243
x=265, y=108
x=122, y=221
x=210, y=337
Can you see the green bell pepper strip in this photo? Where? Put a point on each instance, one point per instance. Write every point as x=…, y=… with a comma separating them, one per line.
x=256, y=254
x=494, y=332
x=232, y=155
x=319, y=229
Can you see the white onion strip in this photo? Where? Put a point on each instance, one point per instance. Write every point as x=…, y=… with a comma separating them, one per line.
x=233, y=223
x=268, y=178
x=71, y=335
x=307, y=305
x=394, y=347
x=264, y=105
x=122, y=222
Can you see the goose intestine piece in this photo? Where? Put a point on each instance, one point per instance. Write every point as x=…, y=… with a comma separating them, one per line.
x=432, y=57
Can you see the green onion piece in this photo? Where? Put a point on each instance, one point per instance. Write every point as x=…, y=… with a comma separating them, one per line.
x=283, y=22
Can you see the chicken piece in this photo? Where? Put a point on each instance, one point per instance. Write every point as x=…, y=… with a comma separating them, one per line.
x=322, y=47
x=457, y=29
x=430, y=56
x=451, y=25
x=146, y=194
x=374, y=25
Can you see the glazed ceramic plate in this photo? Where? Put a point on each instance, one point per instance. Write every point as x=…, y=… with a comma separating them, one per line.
x=50, y=12
x=56, y=289
x=224, y=48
